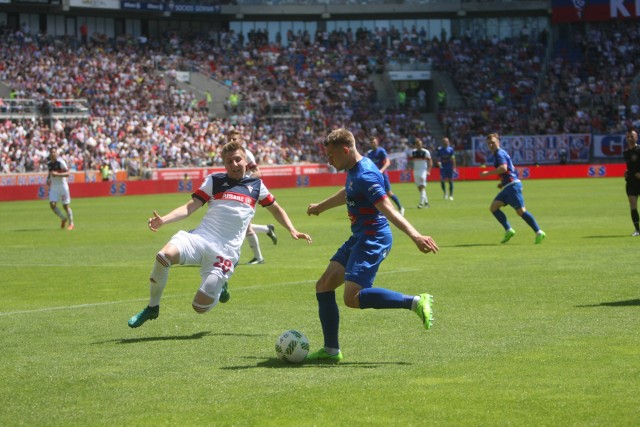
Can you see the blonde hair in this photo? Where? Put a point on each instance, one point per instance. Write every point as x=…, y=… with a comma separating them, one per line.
x=493, y=135
x=340, y=137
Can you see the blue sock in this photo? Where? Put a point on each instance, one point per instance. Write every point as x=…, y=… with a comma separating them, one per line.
x=383, y=298
x=451, y=188
x=329, y=318
x=396, y=201
x=502, y=219
x=442, y=186
x=529, y=219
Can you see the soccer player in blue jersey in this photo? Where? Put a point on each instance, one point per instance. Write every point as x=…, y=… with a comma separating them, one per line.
x=357, y=261
x=447, y=164
x=379, y=156
x=510, y=191
x=214, y=245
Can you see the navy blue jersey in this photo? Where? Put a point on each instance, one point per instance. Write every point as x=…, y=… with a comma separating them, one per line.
x=365, y=188
x=378, y=157
x=502, y=158
x=445, y=154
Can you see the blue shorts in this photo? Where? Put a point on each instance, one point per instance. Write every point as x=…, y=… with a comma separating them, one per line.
x=512, y=196
x=361, y=256
x=446, y=172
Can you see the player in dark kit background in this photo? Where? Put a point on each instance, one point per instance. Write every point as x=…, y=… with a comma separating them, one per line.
x=632, y=177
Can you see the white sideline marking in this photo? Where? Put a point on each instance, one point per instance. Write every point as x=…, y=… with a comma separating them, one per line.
x=97, y=304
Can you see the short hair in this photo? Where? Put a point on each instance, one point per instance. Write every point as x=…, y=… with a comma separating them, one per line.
x=234, y=135
x=493, y=135
x=340, y=137
x=232, y=146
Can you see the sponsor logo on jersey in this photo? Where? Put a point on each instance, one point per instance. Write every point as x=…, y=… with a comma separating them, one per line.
x=242, y=198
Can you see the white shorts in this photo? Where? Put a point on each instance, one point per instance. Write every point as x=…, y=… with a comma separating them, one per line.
x=420, y=178
x=196, y=250
x=59, y=193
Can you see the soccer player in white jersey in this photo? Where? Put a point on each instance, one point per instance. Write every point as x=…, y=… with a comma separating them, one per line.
x=215, y=244
x=59, y=188
x=253, y=170
x=421, y=163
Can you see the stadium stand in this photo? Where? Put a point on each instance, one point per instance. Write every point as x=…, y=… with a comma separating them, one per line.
x=119, y=100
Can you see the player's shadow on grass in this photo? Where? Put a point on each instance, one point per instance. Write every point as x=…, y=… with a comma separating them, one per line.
x=471, y=245
x=627, y=303
x=606, y=236
x=196, y=336
x=278, y=364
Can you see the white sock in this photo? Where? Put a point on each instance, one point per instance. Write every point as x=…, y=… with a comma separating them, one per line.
x=70, y=215
x=260, y=228
x=158, y=279
x=57, y=211
x=254, y=244
x=332, y=351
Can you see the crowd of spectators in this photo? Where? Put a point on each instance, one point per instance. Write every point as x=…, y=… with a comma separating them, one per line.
x=520, y=86
x=140, y=118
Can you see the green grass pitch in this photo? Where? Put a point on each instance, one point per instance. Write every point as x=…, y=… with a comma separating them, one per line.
x=525, y=334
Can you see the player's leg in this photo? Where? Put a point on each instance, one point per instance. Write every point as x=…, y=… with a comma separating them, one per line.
x=328, y=311
x=632, y=194
x=53, y=204
x=269, y=230
x=423, y=194
x=393, y=197
x=67, y=208
x=444, y=190
x=254, y=244
x=501, y=217
x=424, y=201
x=208, y=295
x=450, y=188
x=361, y=270
x=517, y=201
x=165, y=258
x=420, y=180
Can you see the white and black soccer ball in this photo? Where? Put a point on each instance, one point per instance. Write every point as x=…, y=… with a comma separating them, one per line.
x=292, y=346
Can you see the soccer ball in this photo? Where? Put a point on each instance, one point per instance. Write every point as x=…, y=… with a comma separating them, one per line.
x=292, y=346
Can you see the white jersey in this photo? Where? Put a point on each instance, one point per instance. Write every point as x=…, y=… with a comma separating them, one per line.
x=231, y=207
x=59, y=186
x=420, y=158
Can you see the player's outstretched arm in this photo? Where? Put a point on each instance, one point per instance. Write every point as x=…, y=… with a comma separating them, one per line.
x=334, y=201
x=424, y=243
x=179, y=213
x=281, y=216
